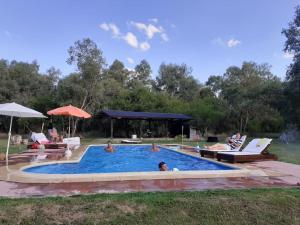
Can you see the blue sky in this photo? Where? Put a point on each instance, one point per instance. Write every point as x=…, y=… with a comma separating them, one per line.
x=207, y=35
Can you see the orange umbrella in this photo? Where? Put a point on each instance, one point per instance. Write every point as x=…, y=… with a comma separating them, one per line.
x=69, y=111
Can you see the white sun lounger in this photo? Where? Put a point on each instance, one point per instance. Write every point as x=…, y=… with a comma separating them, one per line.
x=212, y=153
x=255, y=150
x=72, y=142
x=131, y=141
x=39, y=138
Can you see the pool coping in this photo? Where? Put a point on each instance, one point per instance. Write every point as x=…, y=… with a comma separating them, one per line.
x=18, y=175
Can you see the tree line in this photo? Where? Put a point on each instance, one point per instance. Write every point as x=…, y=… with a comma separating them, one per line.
x=248, y=98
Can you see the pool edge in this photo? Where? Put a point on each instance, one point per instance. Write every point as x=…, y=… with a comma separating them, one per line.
x=19, y=175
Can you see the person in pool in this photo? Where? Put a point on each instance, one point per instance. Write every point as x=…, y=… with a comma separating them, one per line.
x=154, y=148
x=163, y=166
x=109, y=147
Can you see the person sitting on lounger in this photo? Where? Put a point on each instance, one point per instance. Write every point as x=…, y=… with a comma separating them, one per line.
x=155, y=148
x=163, y=166
x=54, y=136
x=109, y=147
x=231, y=144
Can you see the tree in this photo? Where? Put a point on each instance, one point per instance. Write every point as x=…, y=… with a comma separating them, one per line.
x=90, y=62
x=143, y=72
x=207, y=113
x=292, y=46
x=47, y=100
x=215, y=83
x=177, y=81
x=21, y=82
x=247, y=92
x=118, y=72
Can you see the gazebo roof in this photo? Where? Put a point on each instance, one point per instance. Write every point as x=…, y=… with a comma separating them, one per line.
x=143, y=115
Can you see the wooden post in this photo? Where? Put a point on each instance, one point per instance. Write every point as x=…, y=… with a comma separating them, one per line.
x=141, y=128
x=167, y=128
x=111, y=128
x=182, y=134
x=127, y=130
x=149, y=124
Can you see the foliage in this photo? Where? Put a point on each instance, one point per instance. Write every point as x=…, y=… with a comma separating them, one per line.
x=118, y=72
x=83, y=87
x=89, y=61
x=252, y=93
x=292, y=46
x=177, y=81
x=247, y=98
x=207, y=113
x=143, y=72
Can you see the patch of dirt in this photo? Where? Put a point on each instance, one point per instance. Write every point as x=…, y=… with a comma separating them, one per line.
x=126, y=209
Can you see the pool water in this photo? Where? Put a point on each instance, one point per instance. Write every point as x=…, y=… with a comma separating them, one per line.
x=133, y=158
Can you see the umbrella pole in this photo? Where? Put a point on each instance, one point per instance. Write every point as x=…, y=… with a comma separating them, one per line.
x=8, y=141
x=42, y=127
x=69, y=133
x=69, y=126
x=181, y=134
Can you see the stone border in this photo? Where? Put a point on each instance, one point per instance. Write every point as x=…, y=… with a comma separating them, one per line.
x=18, y=175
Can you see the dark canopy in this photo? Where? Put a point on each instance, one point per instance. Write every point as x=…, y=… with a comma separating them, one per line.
x=143, y=115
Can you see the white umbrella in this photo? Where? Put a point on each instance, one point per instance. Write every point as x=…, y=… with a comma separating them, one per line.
x=16, y=110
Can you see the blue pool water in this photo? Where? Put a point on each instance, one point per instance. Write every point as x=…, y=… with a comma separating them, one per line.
x=138, y=158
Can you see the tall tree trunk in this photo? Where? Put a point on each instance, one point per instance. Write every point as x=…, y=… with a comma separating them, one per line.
x=241, y=123
x=206, y=131
x=83, y=105
x=246, y=121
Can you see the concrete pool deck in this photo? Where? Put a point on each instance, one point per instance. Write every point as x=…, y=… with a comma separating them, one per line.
x=16, y=183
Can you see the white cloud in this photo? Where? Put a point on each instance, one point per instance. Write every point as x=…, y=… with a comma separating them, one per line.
x=233, y=42
x=114, y=29
x=150, y=30
x=288, y=55
x=145, y=46
x=104, y=26
x=130, y=60
x=131, y=39
x=110, y=27
x=165, y=37
x=154, y=20
x=230, y=43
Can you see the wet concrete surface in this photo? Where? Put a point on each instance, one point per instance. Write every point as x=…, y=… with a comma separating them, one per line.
x=11, y=189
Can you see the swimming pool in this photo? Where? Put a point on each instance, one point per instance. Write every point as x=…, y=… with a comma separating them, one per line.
x=128, y=158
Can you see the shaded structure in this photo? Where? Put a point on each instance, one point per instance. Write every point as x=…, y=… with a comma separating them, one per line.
x=145, y=124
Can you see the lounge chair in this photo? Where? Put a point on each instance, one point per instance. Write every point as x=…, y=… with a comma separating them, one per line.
x=213, y=153
x=72, y=142
x=131, y=141
x=40, y=138
x=255, y=150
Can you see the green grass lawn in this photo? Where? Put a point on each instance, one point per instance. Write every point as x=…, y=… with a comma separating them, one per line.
x=256, y=206
x=285, y=152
